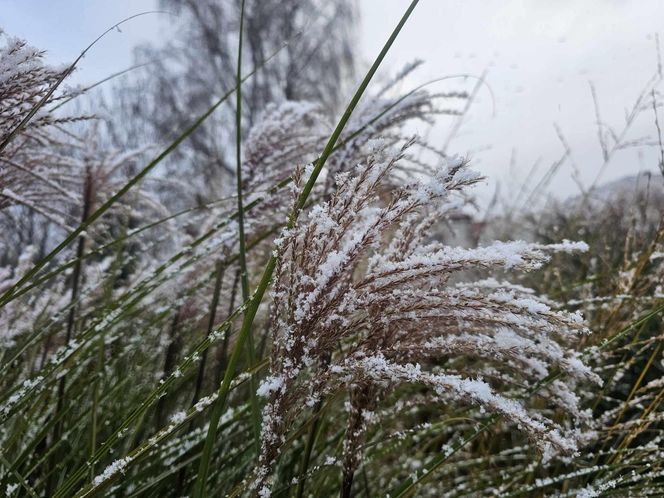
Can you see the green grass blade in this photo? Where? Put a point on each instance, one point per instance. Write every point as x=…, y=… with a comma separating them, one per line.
x=244, y=273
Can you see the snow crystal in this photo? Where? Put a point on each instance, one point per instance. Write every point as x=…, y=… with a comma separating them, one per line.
x=592, y=492
x=264, y=492
x=178, y=417
x=270, y=385
x=117, y=466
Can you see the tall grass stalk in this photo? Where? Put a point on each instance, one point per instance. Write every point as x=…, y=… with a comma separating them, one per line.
x=244, y=272
x=255, y=301
x=71, y=318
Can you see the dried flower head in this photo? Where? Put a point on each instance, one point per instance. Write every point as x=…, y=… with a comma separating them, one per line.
x=364, y=301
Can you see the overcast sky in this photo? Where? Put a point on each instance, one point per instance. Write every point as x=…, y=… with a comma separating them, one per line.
x=540, y=57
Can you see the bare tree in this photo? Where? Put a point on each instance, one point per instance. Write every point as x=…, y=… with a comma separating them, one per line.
x=198, y=64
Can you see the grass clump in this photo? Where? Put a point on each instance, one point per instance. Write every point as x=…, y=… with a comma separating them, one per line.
x=307, y=332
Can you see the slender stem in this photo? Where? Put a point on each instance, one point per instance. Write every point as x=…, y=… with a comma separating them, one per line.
x=311, y=438
x=222, y=353
x=71, y=321
x=244, y=273
x=244, y=277
x=306, y=458
x=347, y=484
x=254, y=303
x=170, y=363
x=101, y=352
x=94, y=422
x=212, y=316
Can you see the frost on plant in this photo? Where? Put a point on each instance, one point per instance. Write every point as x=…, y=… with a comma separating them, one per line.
x=367, y=302
x=385, y=362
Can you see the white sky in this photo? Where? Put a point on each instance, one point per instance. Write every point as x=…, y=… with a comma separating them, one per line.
x=65, y=27
x=540, y=56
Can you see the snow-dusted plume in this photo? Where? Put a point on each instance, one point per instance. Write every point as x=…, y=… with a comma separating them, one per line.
x=365, y=301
